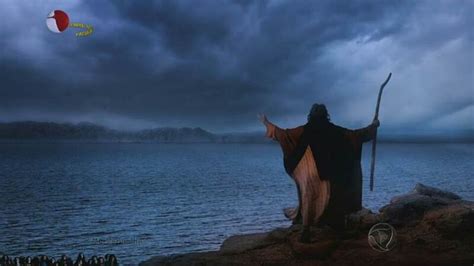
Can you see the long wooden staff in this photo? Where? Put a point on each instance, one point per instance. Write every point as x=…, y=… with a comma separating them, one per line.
x=374, y=143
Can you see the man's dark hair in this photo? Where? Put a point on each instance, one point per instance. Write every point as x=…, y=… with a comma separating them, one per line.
x=318, y=114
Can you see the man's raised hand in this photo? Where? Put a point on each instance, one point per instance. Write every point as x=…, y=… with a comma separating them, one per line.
x=263, y=118
x=376, y=122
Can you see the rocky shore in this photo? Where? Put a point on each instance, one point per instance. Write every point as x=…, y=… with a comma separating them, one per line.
x=433, y=227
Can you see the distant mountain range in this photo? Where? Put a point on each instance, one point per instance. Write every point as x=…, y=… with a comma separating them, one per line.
x=89, y=132
x=50, y=131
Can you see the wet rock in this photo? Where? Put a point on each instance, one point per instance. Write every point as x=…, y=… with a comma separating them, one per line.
x=434, y=192
x=363, y=219
x=454, y=221
x=323, y=242
x=242, y=243
x=409, y=209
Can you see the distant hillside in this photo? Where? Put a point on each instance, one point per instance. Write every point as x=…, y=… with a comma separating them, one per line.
x=50, y=131
x=245, y=137
x=87, y=131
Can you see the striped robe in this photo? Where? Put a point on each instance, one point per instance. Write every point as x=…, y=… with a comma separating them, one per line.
x=324, y=162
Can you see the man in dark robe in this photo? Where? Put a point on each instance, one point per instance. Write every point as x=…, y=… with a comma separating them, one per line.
x=324, y=161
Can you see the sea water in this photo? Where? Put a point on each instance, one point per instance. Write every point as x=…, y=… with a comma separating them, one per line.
x=143, y=200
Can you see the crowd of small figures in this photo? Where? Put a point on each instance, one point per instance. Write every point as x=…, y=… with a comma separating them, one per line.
x=42, y=260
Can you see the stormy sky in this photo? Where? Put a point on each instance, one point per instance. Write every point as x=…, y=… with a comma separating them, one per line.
x=217, y=64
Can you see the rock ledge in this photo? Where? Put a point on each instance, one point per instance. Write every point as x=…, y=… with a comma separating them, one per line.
x=434, y=227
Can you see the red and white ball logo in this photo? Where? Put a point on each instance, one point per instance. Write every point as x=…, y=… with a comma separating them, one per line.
x=57, y=21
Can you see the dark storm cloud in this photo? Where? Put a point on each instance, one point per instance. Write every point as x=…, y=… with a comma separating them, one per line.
x=217, y=64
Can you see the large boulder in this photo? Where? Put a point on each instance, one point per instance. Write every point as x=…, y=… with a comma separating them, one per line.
x=409, y=209
x=434, y=192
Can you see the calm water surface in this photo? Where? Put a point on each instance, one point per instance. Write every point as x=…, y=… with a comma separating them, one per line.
x=143, y=200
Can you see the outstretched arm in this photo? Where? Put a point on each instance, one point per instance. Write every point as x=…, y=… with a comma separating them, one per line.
x=270, y=133
x=286, y=137
x=367, y=133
